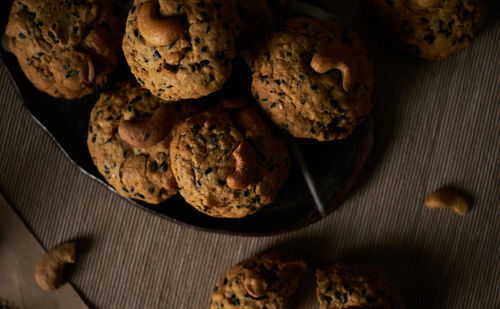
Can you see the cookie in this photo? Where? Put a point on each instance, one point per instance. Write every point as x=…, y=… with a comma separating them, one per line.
x=313, y=78
x=65, y=49
x=432, y=29
x=128, y=138
x=263, y=281
x=228, y=163
x=355, y=286
x=181, y=49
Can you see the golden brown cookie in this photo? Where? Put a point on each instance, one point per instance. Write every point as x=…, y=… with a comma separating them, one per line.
x=228, y=164
x=65, y=49
x=432, y=29
x=355, y=286
x=128, y=138
x=314, y=79
x=263, y=281
x=181, y=49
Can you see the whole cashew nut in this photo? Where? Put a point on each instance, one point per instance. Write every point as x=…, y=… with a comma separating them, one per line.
x=91, y=71
x=253, y=283
x=48, y=271
x=147, y=132
x=158, y=31
x=328, y=59
x=446, y=198
x=246, y=163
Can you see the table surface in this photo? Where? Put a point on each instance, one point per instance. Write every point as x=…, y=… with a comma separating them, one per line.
x=436, y=124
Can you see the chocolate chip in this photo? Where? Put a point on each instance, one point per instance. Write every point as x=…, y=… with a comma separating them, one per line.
x=136, y=99
x=164, y=166
x=154, y=167
x=429, y=38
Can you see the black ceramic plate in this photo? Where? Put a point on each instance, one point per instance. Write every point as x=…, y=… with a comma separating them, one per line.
x=333, y=166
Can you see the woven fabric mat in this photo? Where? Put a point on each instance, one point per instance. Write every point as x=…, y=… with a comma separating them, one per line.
x=437, y=124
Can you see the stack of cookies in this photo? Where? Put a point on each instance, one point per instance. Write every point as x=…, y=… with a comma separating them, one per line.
x=163, y=133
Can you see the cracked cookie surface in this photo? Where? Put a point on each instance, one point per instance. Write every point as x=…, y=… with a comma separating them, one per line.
x=142, y=174
x=432, y=29
x=202, y=154
x=355, y=286
x=302, y=101
x=263, y=281
x=65, y=49
x=194, y=65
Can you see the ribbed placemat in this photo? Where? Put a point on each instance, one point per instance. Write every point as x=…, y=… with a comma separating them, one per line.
x=437, y=124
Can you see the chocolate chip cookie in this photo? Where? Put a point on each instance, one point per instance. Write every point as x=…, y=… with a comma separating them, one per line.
x=432, y=29
x=128, y=138
x=66, y=49
x=181, y=49
x=355, y=286
x=314, y=79
x=263, y=281
x=228, y=163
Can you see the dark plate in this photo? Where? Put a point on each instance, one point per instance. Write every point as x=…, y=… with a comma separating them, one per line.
x=333, y=166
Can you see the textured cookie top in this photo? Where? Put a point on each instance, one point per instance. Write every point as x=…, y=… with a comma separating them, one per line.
x=191, y=60
x=139, y=173
x=306, y=103
x=352, y=286
x=66, y=49
x=264, y=281
x=432, y=29
x=228, y=164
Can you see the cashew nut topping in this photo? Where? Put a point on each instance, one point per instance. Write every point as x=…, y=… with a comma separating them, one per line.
x=174, y=58
x=147, y=132
x=328, y=59
x=91, y=71
x=48, y=271
x=446, y=198
x=253, y=283
x=246, y=164
x=131, y=167
x=427, y=3
x=158, y=31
